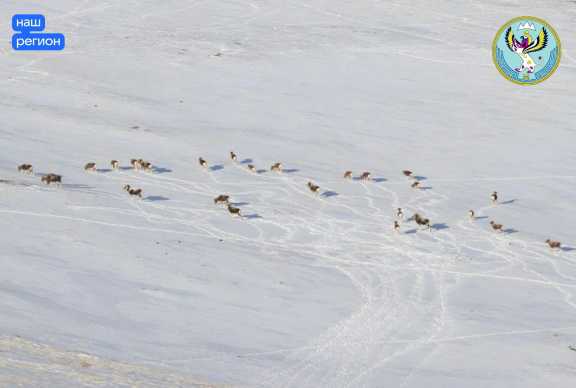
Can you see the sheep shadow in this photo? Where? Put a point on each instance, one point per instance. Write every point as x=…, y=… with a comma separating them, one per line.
x=246, y=161
x=290, y=170
x=378, y=180
x=161, y=170
x=103, y=170
x=426, y=188
x=568, y=249
x=440, y=226
x=510, y=201
x=411, y=231
x=261, y=171
x=125, y=168
x=216, y=167
x=154, y=198
x=328, y=194
x=509, y=231
x=419, y=178
x=239, y=204
x=252, y=216
x=480, y=217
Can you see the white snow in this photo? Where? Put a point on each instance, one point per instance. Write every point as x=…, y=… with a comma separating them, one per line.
x=99, y=289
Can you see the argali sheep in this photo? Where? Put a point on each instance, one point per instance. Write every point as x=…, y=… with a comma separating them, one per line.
x=51, y=178
x=399, y=213
x=396, y=226
x=407, y=173
x=494, y=197
x=425, y=222
x=222, y=198
x=233, y=210
x=27, y=168
x=276, y=167
x=202, y=162
x=553, y=244
x=366, y=176
x=313, y=188
x=133, y=192
x=114, y=164
x=135, y=163
x=496, y=227
x=422, y=221
x=252, y=168
x=415, y=185
x=348, y=175
x=91, y=166
x=233, y=156
x=471, y=214
x=144, y=165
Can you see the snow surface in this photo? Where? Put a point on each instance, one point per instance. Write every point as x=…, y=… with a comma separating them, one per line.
x=99, y=289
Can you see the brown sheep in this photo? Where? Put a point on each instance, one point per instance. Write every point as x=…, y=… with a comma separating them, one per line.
x=202, y=162
x=494, y=197
x=233, y=210
x=114, y=164
x=221, y=199
x=553, y=244
x=51, y=178
x=27, y=168
x=135, y=163
x=366, y=176
x=91, y=166
x=144, y=165
x=133, y=192
x=233, y=156
x=276, y=167
x=313, y=188
x=422, y=221
x=252, y=168
x=348, y=175
x=496, y=227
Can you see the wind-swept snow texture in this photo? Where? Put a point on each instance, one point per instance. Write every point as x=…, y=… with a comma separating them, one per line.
x=305, y=290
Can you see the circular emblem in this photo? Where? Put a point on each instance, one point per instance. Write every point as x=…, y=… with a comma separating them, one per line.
x=526, y=50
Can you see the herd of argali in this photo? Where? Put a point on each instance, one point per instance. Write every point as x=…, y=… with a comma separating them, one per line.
x=141, y=164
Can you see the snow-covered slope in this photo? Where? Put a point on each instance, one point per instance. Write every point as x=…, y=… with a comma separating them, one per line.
x=99, y=289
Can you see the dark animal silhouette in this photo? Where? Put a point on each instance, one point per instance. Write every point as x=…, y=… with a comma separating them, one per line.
x=496, y=227
x=51, y=178
x=27, y=168
x=221, y=199
x=133, y=192
x=366, y=176
x=494, y=197
x=313, y=188
x=234, y=210
x=553, y=244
